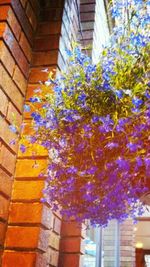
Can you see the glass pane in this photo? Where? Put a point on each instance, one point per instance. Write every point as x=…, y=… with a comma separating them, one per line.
x=90, y=248
x=147, y=260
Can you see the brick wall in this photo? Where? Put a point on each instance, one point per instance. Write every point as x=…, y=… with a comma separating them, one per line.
x=17, y=26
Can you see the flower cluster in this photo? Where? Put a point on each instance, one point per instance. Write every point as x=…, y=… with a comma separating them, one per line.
x=95, y=124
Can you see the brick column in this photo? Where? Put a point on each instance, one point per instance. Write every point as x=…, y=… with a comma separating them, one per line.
x=127, y=244
x=71, y=245
x=16, y=35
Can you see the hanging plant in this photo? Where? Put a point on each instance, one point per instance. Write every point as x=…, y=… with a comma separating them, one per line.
x=94, y=122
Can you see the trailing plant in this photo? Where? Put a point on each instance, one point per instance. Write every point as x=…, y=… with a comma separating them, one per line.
x=94, y=122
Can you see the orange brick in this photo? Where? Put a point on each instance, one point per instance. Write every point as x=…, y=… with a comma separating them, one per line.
x=25, y=168
x=3, y=102
x=2, y=28
x=20, y=80
x=7, y=160
x=13, y=113
x=27, y=190
x=7, y=136
x=2, y=232
x=4, y=204
x=37, y=75
x=6, y=58
x=18, y=259
x=5, y=183
x=45, y=58
x=14, y=24
x=31, y=16
x=30, y=90
x=4, y=12
x=29, y=237
x=10, y=88
x=25, y=46
x=25, y=213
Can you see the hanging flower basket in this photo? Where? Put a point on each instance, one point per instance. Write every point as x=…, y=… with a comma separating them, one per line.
x=95, y=124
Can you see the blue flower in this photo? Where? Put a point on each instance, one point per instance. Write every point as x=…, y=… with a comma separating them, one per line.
x=26, y=108
x=137, y=102
x=13, y=128
x=119, y=93
x=35, y=99
x=36, y=116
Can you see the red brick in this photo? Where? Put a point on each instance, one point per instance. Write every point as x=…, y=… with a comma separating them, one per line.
x=14, y=24
x=4, y=204
x=87, y=16
x=53, y=27
x=18, y=259
x=46, y=43
x=20, y=80
x=19, y=11
x=70, y=229
x=45, y=58
x=72, y=245
x=27, y=190
x=6, y=13
x=11, y=90
x=6, y=58
x=87, y=8
x=5, y=183
x=3, y=102
x=23, y=2
x=68, y=260
x=25, y=46
x=31, y=16
x=49, y=14
x=7, y=160
x=16, y=51
x=5, y=1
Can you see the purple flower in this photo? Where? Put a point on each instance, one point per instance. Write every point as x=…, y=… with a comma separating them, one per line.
x=22, y=148
x=123, y=164
x=132, y=146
